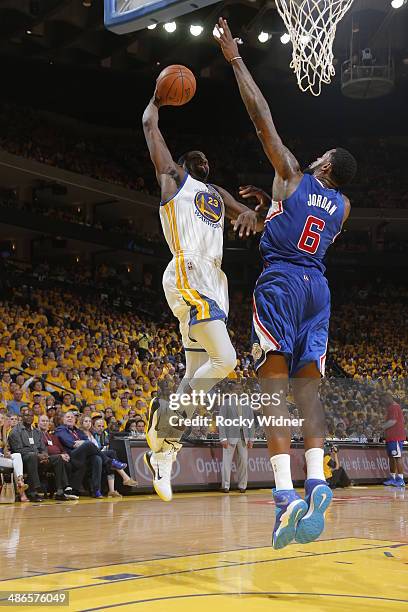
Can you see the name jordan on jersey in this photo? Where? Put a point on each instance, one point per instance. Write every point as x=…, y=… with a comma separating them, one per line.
x=322, y=202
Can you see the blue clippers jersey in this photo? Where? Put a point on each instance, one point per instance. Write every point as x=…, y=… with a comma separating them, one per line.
x=301, y=229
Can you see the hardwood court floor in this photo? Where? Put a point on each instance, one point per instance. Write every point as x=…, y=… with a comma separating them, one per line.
x=208, y=549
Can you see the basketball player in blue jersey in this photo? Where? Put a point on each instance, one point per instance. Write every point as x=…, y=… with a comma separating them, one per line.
x=192, y=214
x=291, y=302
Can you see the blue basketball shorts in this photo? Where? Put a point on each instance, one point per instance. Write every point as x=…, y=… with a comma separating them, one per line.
x=395, y=448
x=291, y=312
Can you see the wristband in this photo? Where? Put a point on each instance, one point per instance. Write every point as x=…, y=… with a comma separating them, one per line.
x=237, y=57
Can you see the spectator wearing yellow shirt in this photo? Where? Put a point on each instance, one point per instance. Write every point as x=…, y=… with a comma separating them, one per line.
x=73, y=387
x=88, y=392
x=8, y=392
x=38, y=398
x=4, y=346
x=5, y=381
x=130, y=414
x=67, y=403
x=82, y=381
x=45, y=366
x=10, y=362
x=124, y=407
x=141, y=407
x=120, y=385
x=139, y=381
x=153, y=383
x=37, y=388
x=38, y=410
x=31, y=366
x=114, y=400
x=67, y=360
x=145, y=371
x=98, y=397
x=146, y=390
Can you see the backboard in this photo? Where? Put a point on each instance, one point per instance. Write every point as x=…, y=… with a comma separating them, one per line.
x=124, y=16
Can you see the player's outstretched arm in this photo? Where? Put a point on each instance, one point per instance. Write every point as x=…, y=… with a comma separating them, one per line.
x=264, y=202
x=169, y=174
x=244, y=220
x=284, y=162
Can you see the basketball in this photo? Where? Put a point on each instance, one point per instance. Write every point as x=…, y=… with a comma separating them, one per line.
x=176, y=85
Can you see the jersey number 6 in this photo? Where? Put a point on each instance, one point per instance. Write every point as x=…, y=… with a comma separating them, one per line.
x=310, y=239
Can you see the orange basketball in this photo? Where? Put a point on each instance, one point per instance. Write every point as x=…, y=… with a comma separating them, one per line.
x=176, y=85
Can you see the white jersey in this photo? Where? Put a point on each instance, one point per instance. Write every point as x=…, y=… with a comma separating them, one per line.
x=193, y=220
x=196, y=288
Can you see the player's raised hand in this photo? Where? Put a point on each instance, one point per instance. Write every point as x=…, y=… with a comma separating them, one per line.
x=224, y=38
x=245, y=223
x=249, y=191
x=156, y=99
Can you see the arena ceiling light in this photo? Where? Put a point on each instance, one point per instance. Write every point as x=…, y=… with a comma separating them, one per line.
x=170, y=27
x=152, y=26
x=285, y=38
x=263, y=37
x=196, y=30
x=397, y=3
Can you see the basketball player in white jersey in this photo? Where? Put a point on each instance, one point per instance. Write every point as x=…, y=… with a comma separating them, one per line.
x=192, y=214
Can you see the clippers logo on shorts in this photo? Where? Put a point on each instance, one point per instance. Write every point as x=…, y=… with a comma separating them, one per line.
x=256, y=351
x=208, y=207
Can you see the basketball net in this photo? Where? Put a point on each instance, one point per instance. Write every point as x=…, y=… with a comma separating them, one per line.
x=311, y=25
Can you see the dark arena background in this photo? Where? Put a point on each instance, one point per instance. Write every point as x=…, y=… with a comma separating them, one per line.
x=86, y=333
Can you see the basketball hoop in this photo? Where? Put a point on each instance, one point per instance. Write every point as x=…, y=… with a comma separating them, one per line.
x=311, y=25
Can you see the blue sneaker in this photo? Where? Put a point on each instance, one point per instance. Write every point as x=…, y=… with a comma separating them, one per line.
x=290, y=508
x=318, y=496
x=118, y=465
x=97, y=494
x=390, y=482
x=399, y=482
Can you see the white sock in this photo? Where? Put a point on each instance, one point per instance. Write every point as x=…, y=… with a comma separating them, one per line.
x=401, y=476
x=314, y=462
x=393, y=475
x=281, y=470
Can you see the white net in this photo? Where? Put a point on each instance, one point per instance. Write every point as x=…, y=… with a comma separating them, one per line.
x=311, y=25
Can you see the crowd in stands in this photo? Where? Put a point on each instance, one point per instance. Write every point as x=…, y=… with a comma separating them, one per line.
x=75, y=370
x=83, y=351
x=27, y=133
x=122, y=157
x=77, y=215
